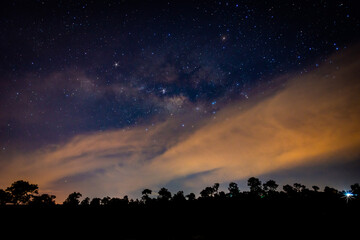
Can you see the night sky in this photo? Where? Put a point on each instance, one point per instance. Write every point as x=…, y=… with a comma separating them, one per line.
x=111, y=97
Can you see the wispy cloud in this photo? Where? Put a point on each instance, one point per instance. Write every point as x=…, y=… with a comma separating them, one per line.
x=312, y=118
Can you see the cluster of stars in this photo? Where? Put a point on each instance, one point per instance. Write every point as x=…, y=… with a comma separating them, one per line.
x=128, y=63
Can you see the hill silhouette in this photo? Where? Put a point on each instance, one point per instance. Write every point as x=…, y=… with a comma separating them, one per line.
x=263, y=211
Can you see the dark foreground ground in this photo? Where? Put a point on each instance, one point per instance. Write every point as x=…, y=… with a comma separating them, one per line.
x=230, y=219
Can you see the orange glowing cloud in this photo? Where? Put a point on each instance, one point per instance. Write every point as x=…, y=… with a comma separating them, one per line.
x=313, y=117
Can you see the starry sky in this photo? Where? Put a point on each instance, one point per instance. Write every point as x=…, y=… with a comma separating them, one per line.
x=111, y=97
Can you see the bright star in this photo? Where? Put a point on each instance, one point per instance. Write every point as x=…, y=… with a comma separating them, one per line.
x=348, y=195
x=223, y=37
x=116, y=64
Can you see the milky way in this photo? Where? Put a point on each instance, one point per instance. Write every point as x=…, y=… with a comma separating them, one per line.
x=166, y=74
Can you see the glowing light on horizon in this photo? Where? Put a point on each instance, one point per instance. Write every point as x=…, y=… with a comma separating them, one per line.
x=348, y=196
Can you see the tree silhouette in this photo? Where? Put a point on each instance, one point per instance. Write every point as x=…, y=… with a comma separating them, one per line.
x=215, y=214
x=45, y=200
x=113, y=202
x=105, y=200
x=191, y=197
x=145, y=195
x=95, y=202
x=216, y=188
x=125, y=199
x=22, y=191
x=355, y=189
x=164, y=194
x=73, y=199
x=117, y=202
x=315, y=188
x=85, y=202
x=255, y=186
x=331, y=192
x=270, y=186
x=207, y=192
x=179, y=197
x=5, y=197
x=210, y=191
x=289, y=190
x=221, y=195
x=299, y=187
x=269, y=189
x=234, y=190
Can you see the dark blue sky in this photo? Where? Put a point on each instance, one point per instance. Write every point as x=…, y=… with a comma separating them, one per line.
x=206, y=51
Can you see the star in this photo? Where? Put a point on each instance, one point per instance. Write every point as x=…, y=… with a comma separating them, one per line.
x=116, y=64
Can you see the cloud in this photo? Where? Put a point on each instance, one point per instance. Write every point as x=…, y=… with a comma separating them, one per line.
x=114, y=156
x=84, y=153
x=311, y=118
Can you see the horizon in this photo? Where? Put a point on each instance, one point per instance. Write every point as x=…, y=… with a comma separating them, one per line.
x=256, y=189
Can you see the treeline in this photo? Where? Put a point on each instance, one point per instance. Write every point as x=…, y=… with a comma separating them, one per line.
x=25, y=193
x=262, y=210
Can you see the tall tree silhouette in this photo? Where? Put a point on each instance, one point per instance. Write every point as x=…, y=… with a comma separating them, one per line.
x=289, y=190
x=234, y=190
x=22, y=191
x=207, y=192
x=299, y=187
x=270, y=186
x=255, y=186
x=145, y=195
x=216, y=189
x=191, y=197
x=73, y=199
x=164, y=194
x=85, y=202
x=210, y=191
x=179, y=197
